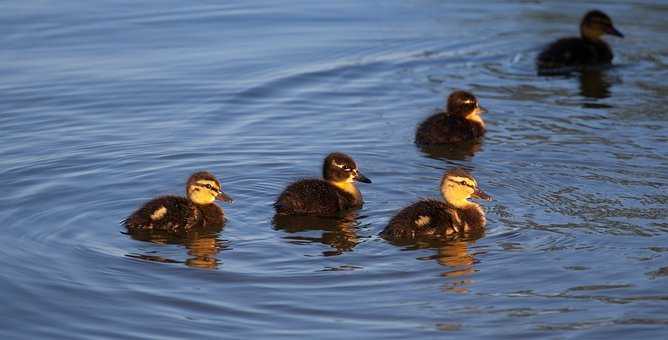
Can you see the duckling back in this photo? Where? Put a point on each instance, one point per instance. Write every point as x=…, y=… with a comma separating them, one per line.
x=443, y=128
x=314, y=197
x=574, y=52
x=427, y=218
x=171, y=213
x=433, y=219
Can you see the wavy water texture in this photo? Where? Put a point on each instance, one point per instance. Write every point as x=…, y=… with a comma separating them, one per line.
x=105, y=105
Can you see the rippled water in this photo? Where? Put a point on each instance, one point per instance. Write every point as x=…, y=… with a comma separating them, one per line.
x=104, y=105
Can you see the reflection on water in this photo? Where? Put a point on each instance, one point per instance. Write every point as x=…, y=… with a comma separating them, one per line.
x=455, y=256
x=338, y=233
x=460, y=151
x=594, y=83
x=202, y=246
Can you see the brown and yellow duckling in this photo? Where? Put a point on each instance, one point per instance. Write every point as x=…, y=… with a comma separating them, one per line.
x=330, y=196
x=175, y=213
x=433, y=219
x=587, y=50
x=461, y=122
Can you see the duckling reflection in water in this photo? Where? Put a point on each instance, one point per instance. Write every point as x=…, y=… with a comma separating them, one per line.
x=594, y=84
x=459, y=151
x=587, y=50
x=456, y=255
x=202, y=243
x=430, y=218
x=174, y=213
x=338, y=233
x=461, y=122
x=331, y=196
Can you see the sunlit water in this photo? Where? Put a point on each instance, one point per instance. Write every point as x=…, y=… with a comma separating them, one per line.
x=104, y=105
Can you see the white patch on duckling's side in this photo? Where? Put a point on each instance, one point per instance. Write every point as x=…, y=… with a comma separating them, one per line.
x=456, y=219
x=422, y=221
x=456, y=222
x=159, y=213
x=481, y=211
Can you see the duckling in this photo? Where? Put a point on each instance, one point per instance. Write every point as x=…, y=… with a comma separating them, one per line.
x=432, y=218
x=174, y=213
x=459, y=123
x=327, y=197
x=589, y=49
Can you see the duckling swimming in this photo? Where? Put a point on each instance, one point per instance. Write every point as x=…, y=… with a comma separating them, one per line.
x=174, y=213
x=589, y=49
x=434, y=218
x=330, y=196
x=461, y=122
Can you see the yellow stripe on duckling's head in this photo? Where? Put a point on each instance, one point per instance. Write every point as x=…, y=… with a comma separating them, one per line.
x=204, y=188
x=203, y=191
x=457, y=186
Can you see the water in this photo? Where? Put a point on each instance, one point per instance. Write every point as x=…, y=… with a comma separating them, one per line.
x=105, y=105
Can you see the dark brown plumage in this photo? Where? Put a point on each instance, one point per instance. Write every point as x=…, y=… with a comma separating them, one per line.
x=403, y=225
x=587, y=50
x=329, y=197
x=434, y=219
x=174, y=213
x=459, y=123
x=315, y=196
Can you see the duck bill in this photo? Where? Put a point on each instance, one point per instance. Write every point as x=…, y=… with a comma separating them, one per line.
x=481, y=195
x=480, y=110
x=613, y=31
x=224, y=197
x=362, y=178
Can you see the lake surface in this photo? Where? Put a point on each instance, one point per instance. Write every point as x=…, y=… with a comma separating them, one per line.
x=106, y=104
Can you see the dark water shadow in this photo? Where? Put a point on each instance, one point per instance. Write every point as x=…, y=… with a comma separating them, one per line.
x=202, y=244
x=594, y=81
x=435, y=241
x=456, y=152
x=338, y=233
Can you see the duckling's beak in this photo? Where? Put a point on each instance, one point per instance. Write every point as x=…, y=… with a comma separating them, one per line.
x=224, y=197
x=480, y=110
x=613, y=31
x=481, y=195
x=361, y=178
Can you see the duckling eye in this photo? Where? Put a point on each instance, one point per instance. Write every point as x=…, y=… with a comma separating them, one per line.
x=208, y=186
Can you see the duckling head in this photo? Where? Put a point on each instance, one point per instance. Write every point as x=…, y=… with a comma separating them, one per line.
x=465, y=104
x=458, y=186
x=203, y=188
x=339, y=168
x=595, y=24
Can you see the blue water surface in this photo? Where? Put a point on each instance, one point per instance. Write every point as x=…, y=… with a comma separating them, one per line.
x=105, y=104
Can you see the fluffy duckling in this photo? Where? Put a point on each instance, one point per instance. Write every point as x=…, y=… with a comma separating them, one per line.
x=588, y=49
x=330, y=196
x=459, y=123
x=432, y=218
x=174, y=213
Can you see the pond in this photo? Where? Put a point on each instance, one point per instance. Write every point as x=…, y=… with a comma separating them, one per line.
x=105, y=105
